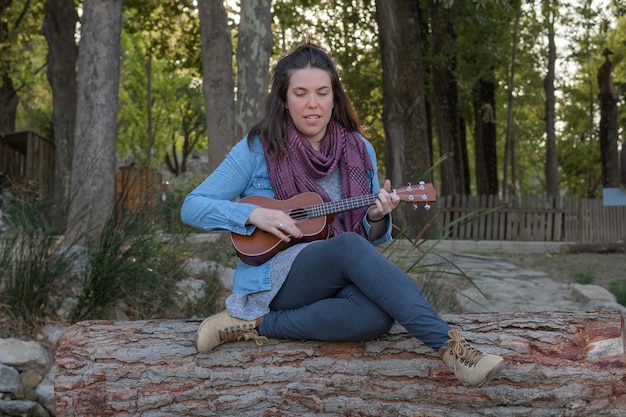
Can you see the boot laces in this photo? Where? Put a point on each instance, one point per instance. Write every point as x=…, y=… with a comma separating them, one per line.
x=242, y=332
x=466, y=353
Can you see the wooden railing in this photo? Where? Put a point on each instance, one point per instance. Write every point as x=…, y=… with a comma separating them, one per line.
x=559, y=219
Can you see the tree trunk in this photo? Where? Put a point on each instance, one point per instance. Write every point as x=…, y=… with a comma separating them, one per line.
x=552, y=167
x=254, y=49
x=445, y=93
x=558, y=364
x=8, y=95
x=484, y=102
x=217, y=73
x=404, y=114
x=94, y=157
x=608, y=124
x=603, y=247
x=59, y=28
x=509, y=142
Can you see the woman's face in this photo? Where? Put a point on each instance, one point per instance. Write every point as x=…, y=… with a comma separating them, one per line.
x=310, y=101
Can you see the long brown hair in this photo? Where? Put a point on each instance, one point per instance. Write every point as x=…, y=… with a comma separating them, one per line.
x=271, y=128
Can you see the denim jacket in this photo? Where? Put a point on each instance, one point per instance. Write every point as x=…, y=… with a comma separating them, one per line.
x=212, y=206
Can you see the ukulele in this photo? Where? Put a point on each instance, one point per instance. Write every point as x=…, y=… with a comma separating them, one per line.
x=313, y=216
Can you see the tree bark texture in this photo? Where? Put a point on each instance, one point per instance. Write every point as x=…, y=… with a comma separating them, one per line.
x=254, y=49
x=94, y=157
x=407, y=148
x=608, y=124
x=552, y=162
x=558, y=364
x=218, y=81
x=59, y=28
x=486, y=155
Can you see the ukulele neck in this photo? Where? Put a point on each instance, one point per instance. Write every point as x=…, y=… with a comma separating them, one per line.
x=340, y=206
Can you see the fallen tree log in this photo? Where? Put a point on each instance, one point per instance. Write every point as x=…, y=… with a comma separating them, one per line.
x=603, y=247
x=558, y=364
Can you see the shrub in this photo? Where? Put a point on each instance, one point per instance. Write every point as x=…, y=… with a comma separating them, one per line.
x=585, y=277
x=28, y=272
x=618, y=288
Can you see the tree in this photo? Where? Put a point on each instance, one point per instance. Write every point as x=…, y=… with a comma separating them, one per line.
x=551, y=166
x=191, y=129
x=217, y=73
x=404, y=112
x=509, y=142
x=454, y=168
x=12, y=19
x=151, y=117
x=608, y=123
x=93, y=164
x=59, y=27
x=579, y=151
x=153, y=71
x=485, y=151
x=8, y=95
x=254, y=48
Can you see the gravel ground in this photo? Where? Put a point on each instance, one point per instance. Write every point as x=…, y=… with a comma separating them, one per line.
x=603, y=269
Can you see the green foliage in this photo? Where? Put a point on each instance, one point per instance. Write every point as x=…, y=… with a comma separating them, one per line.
x=169, y=109
x=618, y=288
x=130, y=268
x=28, y=272
x=584, y=277
x=23, y=58
x=133, y=268
x=168, y=34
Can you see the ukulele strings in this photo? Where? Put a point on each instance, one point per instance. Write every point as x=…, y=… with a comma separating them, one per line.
x=333, y=207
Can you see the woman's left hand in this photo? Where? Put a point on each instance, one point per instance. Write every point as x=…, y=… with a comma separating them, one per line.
x=385, y=203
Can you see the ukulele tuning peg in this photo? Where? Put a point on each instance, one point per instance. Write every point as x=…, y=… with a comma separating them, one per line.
x=421, y=185
x=414, y=207
x=427, y=207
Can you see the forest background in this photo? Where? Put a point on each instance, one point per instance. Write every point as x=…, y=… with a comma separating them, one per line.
x=501, y=97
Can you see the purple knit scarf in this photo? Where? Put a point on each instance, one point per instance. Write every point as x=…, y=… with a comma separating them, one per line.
x=302, y=165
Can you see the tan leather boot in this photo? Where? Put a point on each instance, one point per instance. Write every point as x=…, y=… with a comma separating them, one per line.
x=471, y=366
x=221, y=328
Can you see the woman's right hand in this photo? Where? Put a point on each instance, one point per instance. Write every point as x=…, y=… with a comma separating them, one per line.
x=277, y=222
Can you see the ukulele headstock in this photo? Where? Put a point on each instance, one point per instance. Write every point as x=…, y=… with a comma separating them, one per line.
x=420, y=193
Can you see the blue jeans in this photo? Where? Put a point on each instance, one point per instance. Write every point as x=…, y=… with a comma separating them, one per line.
x=343, y=289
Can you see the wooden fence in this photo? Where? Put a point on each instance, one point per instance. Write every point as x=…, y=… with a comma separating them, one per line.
x=559, y=219
x=137, y=189
x=26, y=156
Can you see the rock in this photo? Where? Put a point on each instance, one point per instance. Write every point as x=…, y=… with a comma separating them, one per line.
x=588, y=293
x=22, y=408
x=25, y=355
x=28, y=382
x=53, y=332
x=45, y=392
x=190, y=292
x=199, y=269
x=9, y=379
x=605, y=305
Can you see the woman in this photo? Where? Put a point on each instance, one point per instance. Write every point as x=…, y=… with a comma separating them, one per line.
x=338, y=289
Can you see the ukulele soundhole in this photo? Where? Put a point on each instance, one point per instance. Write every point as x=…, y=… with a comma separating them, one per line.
x=298, y=214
